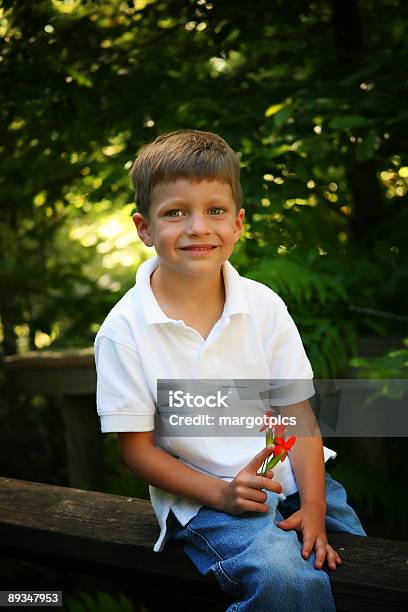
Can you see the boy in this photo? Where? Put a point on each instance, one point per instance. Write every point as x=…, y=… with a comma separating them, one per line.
x=192, y=316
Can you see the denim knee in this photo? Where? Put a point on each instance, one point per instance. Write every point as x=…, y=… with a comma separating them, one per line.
x=283, y=581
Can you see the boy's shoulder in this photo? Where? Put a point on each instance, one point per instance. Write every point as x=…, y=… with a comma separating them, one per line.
x=263, y=299
x=267, y=309
x=121, y=322
x=262, y=291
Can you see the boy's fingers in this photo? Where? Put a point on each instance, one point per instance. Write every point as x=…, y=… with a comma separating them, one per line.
x=320, y=554
x=259, y=482
x=331, y=557
x=251, y=494
x=331, y=560
x=251, y=506
x=258, y=460
x=308, y=543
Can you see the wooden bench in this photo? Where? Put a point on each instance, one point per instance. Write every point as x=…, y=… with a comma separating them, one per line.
x=112, y=535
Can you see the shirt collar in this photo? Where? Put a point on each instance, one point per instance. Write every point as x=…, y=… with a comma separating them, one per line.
x=236, y=301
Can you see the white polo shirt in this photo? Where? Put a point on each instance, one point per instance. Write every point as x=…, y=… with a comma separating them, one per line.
x=137, y=344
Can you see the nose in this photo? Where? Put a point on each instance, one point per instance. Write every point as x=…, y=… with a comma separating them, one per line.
x=197, y=225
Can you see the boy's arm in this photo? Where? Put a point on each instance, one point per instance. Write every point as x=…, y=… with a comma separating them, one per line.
x=307, y=458
x=307, y=461
x=161, y=470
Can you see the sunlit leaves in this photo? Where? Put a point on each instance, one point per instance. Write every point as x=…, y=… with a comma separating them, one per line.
x=66, y=6
x=80, y=77
x=273, y=109
x=92, y=82
x=395, y=181
x=393, y=365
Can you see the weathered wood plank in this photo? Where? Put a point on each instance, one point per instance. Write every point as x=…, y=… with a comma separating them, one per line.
x=80, y=380
x=88, y=525
x=119, y=532
x=51, y=359
x=69, y=378
x=58, y=373
x=84, y=441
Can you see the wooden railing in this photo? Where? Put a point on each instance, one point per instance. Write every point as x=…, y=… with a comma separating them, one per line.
x=111, y=535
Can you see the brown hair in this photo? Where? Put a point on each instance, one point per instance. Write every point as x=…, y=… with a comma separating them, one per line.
x=186, y=153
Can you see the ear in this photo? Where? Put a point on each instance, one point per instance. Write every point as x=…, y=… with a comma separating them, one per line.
x=239, y=225
x=143, y=229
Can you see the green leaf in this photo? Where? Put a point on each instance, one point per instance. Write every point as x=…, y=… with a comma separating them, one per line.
x=101, y=602
x=288, y=277
x=278, y=151
x=366, y=149
x=78, y=76
x=347, y=122
x=282, y=116
x=272, y=110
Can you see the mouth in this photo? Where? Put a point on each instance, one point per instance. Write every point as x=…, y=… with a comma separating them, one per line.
x=199, y=248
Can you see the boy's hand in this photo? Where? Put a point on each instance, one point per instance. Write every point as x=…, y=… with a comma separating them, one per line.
x=245, y=491
x=309, y=521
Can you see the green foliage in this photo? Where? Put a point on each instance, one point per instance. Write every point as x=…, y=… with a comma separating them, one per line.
x=374, y=495
x=310, y=292
x=297, y=282
x=101, y=602
x=393, y=365
x=118, y=478
x=321, y=136
x=328, y=345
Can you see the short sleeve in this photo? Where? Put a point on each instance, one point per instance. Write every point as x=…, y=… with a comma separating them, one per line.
x=124, y=401
x=289, y=368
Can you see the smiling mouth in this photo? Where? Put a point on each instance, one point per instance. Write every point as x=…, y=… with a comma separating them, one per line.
x=199, y=248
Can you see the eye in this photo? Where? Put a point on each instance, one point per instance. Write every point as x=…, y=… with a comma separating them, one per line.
x=175, y=210
x=218, y=208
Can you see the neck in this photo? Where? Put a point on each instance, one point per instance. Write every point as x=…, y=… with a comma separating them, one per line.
x=199, y=290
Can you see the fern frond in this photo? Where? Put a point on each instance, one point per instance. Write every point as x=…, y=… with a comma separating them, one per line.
x=295, y=281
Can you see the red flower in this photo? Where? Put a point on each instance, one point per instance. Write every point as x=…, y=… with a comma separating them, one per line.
x=283, y=446
x=279, y=430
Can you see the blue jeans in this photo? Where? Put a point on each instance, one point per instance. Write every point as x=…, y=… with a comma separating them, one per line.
x=258, y=564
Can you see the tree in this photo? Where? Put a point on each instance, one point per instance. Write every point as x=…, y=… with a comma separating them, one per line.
x=308, y=93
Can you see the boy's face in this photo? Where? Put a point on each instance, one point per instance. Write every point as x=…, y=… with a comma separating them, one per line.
x=191, y=214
